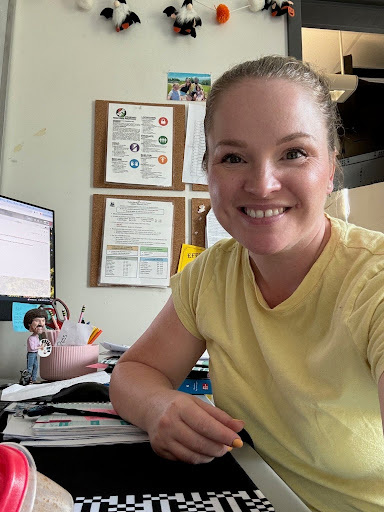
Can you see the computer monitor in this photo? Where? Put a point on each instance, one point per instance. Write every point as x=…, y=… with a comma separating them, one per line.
x=27, y=254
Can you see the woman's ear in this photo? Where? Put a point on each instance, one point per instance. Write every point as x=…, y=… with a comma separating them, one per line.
x=204, y=162
x=333, y=165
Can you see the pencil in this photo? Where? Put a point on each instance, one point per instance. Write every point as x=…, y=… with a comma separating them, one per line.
x=93, y=334
x=94, y=338
x=57, y=328
x=94, y=330
x=81, y=314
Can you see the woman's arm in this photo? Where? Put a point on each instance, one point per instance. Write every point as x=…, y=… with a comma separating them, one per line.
x=144, y=386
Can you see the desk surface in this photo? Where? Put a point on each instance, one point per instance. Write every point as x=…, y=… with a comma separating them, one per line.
x=115, y=471
x=107, y=474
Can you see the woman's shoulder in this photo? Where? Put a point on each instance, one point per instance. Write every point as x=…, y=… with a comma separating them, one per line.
x=353, y=236
x=215, y=259
x=220, y=254
x=210, y=270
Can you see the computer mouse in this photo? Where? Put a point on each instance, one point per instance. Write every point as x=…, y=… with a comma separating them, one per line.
x=83, y=392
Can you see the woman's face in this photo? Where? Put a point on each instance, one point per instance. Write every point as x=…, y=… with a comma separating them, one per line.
x=269, y=167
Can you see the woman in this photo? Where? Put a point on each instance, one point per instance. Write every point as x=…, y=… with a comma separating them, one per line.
x=184, y=89
x=291, y=309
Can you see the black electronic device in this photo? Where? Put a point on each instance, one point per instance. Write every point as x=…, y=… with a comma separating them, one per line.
x=83, y=392
x=27, y=254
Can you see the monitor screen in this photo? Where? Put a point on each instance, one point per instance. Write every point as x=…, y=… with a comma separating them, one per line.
x=27, y=254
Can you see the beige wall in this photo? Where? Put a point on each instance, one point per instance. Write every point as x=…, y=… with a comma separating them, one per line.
x=62, y=60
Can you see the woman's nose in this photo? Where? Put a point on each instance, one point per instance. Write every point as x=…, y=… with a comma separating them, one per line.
x=262, y=180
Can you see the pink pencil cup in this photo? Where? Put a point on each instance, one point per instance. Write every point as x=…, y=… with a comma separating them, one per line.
x=52, y=335
x=68, y=361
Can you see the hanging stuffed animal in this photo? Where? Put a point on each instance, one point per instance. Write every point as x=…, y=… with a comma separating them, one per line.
x=280, y=7
x=186, y=19
x=258, y=5
x=121, y=16
x=86, y=5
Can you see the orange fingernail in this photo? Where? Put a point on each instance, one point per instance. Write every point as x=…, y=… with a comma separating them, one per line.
x=237, y=443
x=229, y=448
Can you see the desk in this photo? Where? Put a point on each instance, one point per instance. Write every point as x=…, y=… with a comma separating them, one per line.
x=112, y=472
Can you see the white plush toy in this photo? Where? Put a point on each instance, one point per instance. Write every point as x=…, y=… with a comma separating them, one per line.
x=85, y=4
x=256, y=5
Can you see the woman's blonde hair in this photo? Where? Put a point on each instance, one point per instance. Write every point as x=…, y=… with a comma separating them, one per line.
x=281, y=67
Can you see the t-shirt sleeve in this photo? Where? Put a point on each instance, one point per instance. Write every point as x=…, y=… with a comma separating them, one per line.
x=367, y=322
x=186, y=287
x=375, y=350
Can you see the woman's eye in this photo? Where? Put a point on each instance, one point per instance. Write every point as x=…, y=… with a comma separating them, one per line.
x=295, y=153
x=232, y=159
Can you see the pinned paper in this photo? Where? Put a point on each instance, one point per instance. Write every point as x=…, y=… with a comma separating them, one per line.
x=73, y=333
x=214, y=231
x=18, y=311
x=188, y=253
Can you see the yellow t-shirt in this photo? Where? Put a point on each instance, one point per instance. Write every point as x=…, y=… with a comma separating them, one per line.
x=303, y=375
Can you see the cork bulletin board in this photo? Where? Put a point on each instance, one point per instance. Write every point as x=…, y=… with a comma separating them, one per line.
x=98, y=213
x=196, y=187
x=100, y=146
x=200, y=208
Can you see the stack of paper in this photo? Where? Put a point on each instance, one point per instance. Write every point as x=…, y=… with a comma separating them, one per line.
x=18, y=393
x=59, y=429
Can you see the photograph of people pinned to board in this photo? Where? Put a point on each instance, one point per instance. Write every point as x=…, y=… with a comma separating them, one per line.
x=137, y=243
x=188, y=86
x=139, y=144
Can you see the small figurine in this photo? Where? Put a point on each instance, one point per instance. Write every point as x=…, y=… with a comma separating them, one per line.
x=259, y=5
x=121, y=16
x=86, y=5
x=34, y=321
x=186, y=19
x=25, y=377
x=281, y=7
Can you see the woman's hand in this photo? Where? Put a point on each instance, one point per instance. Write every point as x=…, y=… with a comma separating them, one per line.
x=183, y=427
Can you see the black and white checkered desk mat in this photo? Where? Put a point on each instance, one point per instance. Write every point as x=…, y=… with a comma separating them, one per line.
x=225, y=501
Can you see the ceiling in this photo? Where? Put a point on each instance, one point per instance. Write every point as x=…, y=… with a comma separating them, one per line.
x=322, y=48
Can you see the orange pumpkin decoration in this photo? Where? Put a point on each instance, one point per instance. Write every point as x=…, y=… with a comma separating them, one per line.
x=222, y=13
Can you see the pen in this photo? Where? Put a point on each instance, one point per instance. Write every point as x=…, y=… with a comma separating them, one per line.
x=81, y=314
x=57, y=328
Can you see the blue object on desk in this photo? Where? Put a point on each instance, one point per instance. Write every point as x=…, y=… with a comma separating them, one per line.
x=196, y=386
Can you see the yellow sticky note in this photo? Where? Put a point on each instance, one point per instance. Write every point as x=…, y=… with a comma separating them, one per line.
x=188, y=253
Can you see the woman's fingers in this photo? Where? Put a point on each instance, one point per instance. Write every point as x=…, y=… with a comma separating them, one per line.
x=190, y=447
x=212, y=423
x=200, y=428
x=222, y=416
